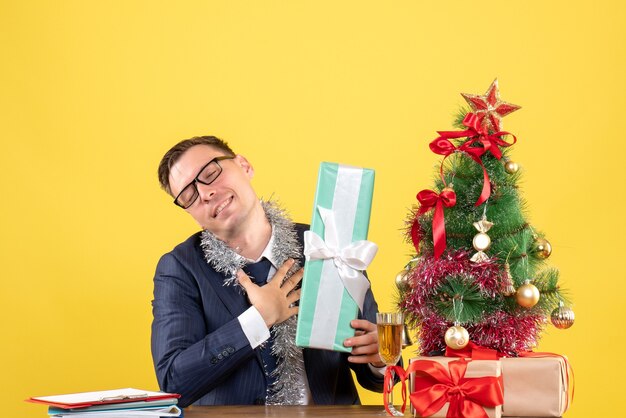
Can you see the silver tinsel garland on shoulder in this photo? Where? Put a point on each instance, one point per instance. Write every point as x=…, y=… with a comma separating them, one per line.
x=288, y=387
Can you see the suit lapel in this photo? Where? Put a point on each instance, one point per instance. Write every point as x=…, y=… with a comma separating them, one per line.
x=233, y=298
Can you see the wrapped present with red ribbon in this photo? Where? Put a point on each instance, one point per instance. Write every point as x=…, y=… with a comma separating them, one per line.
x=450, y=387
x=536, y=384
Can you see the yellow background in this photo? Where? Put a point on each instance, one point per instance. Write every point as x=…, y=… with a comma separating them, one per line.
x=93, y=93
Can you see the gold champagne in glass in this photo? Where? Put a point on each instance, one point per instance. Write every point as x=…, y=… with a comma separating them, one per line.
x=390, y=326
x=390, y=342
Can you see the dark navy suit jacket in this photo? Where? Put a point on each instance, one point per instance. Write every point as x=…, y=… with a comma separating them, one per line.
x=199, y=348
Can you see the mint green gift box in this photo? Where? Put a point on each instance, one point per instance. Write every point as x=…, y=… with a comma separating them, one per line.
x=326, y=307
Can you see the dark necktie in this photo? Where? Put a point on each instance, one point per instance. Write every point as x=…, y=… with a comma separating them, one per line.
x=258, y=273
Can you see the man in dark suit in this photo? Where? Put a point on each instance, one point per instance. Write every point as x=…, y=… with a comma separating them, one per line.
x=211, y=339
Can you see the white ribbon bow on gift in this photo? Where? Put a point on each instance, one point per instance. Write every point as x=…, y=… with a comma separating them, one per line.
x=350, y=260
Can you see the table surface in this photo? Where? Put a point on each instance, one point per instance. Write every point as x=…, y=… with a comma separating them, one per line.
x=246, y=411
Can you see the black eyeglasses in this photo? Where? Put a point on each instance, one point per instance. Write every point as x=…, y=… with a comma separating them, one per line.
x=207, y=175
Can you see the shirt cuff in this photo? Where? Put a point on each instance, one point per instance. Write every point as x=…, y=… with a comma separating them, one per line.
x=254, y=327
x=378, y=371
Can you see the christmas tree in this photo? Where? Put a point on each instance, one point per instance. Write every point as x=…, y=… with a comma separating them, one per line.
x=479, y=271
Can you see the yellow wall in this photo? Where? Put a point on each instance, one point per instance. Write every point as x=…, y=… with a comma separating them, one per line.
x=93, y=93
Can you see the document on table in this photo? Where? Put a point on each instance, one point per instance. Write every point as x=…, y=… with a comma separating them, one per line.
x=106, y=397
x=134, y=412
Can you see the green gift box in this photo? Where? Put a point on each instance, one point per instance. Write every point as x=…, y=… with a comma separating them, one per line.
x=333, y=286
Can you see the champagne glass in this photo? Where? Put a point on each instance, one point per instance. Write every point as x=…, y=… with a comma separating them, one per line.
x=390, y=325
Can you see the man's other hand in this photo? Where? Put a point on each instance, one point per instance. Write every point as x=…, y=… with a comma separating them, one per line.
x=364, y=343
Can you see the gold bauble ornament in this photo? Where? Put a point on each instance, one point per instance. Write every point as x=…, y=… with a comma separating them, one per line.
x=542, y=248
x=511, y=167
x=456, y=337
x=562, y=317
x=402, y=280
x=527, y=295
x=481, y=241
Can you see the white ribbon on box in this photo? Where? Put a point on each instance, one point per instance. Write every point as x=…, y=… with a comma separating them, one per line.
x=350, y=261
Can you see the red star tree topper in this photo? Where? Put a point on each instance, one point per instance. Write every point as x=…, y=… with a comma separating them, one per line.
x=489, y=108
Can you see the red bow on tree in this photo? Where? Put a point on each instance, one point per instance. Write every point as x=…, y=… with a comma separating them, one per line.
x=429, y=199
x=477, y=134
x=434, y=386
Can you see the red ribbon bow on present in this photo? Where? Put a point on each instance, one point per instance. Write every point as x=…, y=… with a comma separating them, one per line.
x=429, y=199
x=477, y=135
x=478, y=352
x=434, y=386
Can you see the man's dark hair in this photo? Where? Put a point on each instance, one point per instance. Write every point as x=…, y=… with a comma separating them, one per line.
x=170, y=157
